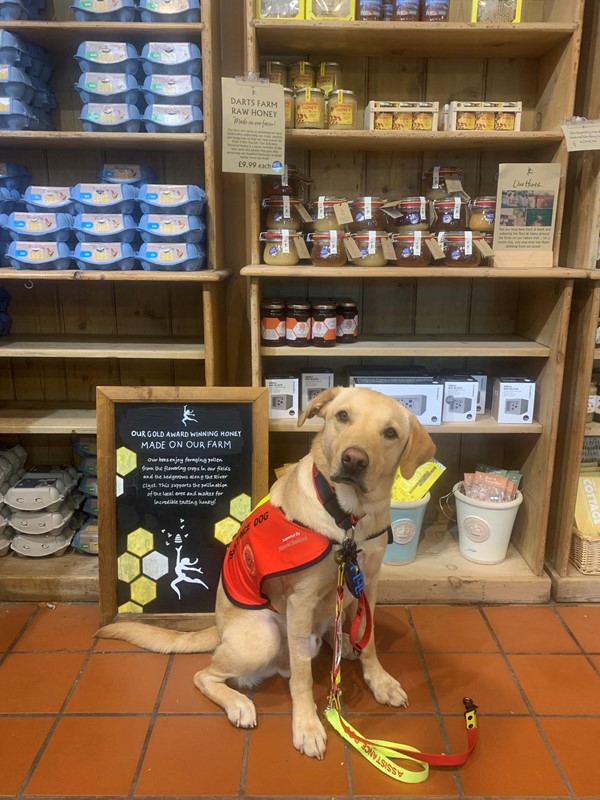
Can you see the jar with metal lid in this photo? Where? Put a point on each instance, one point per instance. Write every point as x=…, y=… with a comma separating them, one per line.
x=482, y=214
x=369, y=10
x=288, y=108
x=411, y=249
x=291, y=183
x=301, y=74
x=275, y=72
x=341, y=110
x=370, y=244
x=327, y=249
x=324, y=322
x=346, y=331
x=323, y=214
x=592, y=400
x=282, y=212
x=434, y=181
x=449, y=214
x=298, y=323
x=272, y=322
x=309, y=108
x=435, y=10
x=367, y=214
x=459, y=250
x=407, y=10
x=329, y=76
x=280, y=248
x=412, y=215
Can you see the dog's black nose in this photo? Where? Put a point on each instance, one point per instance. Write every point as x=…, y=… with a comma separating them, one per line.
x=354, y=460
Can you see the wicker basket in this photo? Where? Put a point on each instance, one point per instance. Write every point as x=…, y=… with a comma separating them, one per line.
x=585, y=553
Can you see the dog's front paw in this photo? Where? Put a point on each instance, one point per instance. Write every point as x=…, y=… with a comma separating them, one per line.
x=241, y=712
x=310, y=737
x=387, y=690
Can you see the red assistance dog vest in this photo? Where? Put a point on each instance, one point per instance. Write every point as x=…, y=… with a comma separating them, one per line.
x=268, y=545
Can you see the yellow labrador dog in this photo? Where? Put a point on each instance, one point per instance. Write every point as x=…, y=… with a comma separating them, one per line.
x=365, y=438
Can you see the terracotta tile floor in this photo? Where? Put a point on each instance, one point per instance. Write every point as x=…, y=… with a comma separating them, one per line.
x=82, y=718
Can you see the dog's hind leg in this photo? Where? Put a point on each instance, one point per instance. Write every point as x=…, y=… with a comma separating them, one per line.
x=247, y=653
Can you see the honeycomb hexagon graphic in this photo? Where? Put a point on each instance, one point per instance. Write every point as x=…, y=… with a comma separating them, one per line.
x=130, y=608
x=240, y=507
x=126, y=461
x=225, y=529
x=119, y=485
x=128, y=567
x=143, y=590
x=140, y=541
x=155, y=565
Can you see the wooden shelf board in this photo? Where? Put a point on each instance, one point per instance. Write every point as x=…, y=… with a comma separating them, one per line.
x=488, y=346
x=592, y=429
x=484, y=424
x=597, y=354
x=54, y=35
x=72, y=577
x=439, y=574
x=94, y=140
x=350, y=271
x=574, y=587
x=410, y=39
x=420, y=140
x=54, y=421
x=95, y=347
x=200, y=276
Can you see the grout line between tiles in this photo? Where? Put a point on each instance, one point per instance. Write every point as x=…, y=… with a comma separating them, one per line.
x=529, y=706
x=153, y=718
x=434, y=700
x=20, y=632
x=577, y=642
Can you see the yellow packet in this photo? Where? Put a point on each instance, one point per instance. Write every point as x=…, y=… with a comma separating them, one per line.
x=408, y=490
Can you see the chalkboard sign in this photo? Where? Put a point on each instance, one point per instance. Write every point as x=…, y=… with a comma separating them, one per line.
x=178, y=469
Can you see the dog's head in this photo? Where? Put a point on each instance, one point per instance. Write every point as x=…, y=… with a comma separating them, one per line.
x=366, y=437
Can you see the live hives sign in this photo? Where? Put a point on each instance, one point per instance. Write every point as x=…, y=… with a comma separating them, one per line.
x=178, y=470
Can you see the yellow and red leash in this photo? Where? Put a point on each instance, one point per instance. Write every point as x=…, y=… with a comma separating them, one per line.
x=378, y=751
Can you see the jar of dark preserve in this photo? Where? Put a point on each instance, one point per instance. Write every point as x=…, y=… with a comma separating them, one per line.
x=272, y=322
x=449, y=214
x=367, y=214
x=298, y=323
x=290, y=183
x=406, y=10
x=347, y=322
x=324, y=322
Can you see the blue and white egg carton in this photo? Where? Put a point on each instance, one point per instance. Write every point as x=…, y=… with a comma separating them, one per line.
x=175, y=228
x=173, y=119
x=113, y=198
x=9, y=199
x=39, y=226
x=14, y=82
x=171, y=58
x=113, y=117
x=104, y=228
x=107, y=57
x=104, y=256
x=107, y=87
x=104, y=10
x=172, y=89
x=21, y=9
x=167, y=257
x=48, y=198
x=38, y=255
x=171, y=199
x=13, y=177
x=132, y=174
x=170, y=10
x=16, y=116
x=25, y=100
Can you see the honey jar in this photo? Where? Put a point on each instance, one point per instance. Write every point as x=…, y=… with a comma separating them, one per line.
x=412, y=215
x=301, y=75
x=329, y=76
x=449, y=214
x=370, y=244
x=309, y=108
x=280, y=248
x=482, y=214
x=272, y=322
x=459, y=249
x=290, y=183
x=275, y=72
x=341, y=110
x=282, y=212
x=367, y=214
x=434, y=181
x=327, y=249
x=411, y=250
x=346, y=331
x=288, y=108
x=324, y=321
x=298, y=323
x=323, y=214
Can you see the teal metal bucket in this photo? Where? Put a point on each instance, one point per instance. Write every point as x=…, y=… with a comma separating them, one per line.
x=407, y=521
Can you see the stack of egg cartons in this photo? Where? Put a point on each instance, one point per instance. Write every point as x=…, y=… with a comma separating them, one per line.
x=169, y=101
x=25, y=99
x=5, y=320
x=44, y=511
x=21, y=9
x=12, y=462
x=13, y=179
x=86, y=538
x=127, y=11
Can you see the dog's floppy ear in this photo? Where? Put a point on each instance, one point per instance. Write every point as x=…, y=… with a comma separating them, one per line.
x=419, y=448
x=318, y=403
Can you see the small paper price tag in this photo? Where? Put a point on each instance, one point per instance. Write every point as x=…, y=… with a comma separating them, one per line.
x=436, y=177
x=423, y=209
x=417, y=243
x=321, y=207
x=372, y=243
x=285, y=241
x=368, y=208
x=388, y=248
x=343, y=214
x=457, y=205
x=333, y=237
x=434, y=248
x=352, y=248
x=286, y=207
x=483, y=247
x=454, y=186
x=301, y=247
x=304, y=215
x=392, y=210
x=468, y=243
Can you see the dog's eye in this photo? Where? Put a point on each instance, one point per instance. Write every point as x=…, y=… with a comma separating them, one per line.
x=342, y=416
x=390, y=433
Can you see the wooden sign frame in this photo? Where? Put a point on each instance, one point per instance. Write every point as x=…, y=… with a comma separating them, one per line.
x=107, y=400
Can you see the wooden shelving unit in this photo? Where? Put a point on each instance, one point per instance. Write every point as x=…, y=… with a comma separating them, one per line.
x=74, y=330
x=500, y=321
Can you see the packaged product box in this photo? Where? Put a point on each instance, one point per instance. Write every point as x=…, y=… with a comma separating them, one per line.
x=330, y=9
x=482, y=380
x=462, y=115
x=421, y=394
x=496, y=10
x=513, y=400
x=392, y=115
x=283, y=396
x=312, y=383
x=280, y=9
x=460, y=399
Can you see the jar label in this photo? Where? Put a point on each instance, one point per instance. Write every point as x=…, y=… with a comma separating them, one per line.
x=286, y=207
x=417, y=243
x=347, y=326
x=326, y=83
x=341, y=115
x=302, y=82
x=591, y=406
x=383, y=121
x=321, y=207
x=367, y=208
x=457, y=207
x=288, y=109
x=436, y=178
x=285, y=241
x=333, y=238
x=371, y=247
x=308, y=112
x=468, y=243
x=272, y=330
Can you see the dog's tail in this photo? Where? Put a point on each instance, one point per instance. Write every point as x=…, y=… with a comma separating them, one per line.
x=162, y=640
